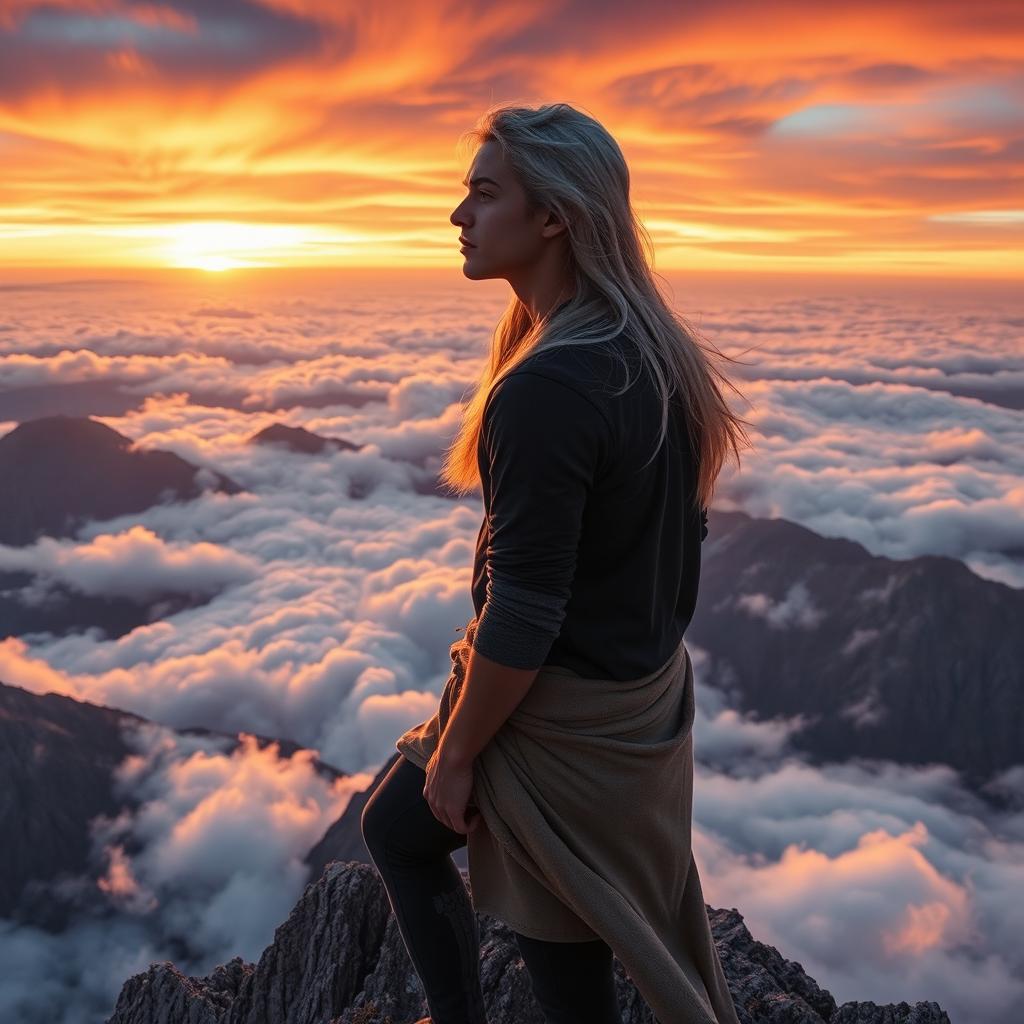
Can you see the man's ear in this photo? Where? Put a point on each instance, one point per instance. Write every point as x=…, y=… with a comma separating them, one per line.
x=553, y=225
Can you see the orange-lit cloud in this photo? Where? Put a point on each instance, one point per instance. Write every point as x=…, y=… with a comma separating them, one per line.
x=136, y=564
x=869, y=138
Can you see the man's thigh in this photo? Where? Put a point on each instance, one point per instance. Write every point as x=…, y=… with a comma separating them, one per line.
x=397, y=818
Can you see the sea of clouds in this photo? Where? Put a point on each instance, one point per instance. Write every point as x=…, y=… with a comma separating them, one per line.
x=891, y=416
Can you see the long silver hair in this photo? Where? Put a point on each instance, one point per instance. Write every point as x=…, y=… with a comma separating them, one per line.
x=566, y=161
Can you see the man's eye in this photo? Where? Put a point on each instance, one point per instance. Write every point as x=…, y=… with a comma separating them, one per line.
x=484, y=195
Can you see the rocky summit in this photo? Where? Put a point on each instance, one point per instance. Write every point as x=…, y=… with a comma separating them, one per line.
x=340, y=959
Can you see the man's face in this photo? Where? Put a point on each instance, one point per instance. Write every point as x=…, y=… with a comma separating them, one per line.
x=506, y=239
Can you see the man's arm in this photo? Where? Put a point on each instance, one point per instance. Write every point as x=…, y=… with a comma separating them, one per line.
x=490, y=693
x=544, y=442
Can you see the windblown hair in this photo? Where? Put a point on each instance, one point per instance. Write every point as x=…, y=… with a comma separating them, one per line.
x=568, y=162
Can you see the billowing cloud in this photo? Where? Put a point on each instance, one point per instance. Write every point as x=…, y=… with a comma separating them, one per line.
x=200, y=809
x=181, y=876
x=135, y=564
x=872, y=858
x=339, y=587
x=903, y=861
x=902, y=470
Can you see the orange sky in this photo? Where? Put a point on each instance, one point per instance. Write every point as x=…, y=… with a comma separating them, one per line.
x=861, y=138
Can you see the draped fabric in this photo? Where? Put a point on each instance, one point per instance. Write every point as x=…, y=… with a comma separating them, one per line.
x=585, y=795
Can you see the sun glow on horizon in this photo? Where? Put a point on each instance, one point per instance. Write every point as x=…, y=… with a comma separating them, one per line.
x=226, y=245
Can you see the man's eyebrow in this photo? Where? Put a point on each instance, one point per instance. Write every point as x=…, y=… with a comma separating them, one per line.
x=478, y=181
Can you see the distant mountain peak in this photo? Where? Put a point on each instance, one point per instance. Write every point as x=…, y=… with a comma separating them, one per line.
x=298, y=439
x=63, y=431
x=61, y=471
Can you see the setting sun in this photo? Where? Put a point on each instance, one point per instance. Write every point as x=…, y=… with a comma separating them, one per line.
x=213, y=245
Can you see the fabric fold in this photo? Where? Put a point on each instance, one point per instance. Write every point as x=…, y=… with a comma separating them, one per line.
x=585, y=795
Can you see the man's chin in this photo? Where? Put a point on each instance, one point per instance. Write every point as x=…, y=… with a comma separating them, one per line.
x=474, y=273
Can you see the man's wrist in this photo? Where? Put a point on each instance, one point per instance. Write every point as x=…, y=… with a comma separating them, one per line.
x=453, y=756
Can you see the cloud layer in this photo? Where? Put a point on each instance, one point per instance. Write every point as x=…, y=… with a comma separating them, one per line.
x=331, y=615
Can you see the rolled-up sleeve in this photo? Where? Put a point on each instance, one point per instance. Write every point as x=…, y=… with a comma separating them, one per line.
x=545, y=443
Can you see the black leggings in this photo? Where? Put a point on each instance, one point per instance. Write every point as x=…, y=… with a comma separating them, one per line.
x=571, y=981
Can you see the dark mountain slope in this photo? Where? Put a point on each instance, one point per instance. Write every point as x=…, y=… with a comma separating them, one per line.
x=61, y=471
x=915, y=661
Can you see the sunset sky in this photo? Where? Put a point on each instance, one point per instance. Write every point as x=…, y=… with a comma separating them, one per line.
x=879, y=138
x=219, y=217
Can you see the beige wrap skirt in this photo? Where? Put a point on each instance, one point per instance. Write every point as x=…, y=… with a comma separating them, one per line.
x=585, y=800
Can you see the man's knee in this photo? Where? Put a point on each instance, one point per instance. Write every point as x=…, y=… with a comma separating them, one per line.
x=368, y=823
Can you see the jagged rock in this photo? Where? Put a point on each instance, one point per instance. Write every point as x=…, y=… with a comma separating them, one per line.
x=320, y=957
x=892, y=1013
x=163, y=995
x=340, y=959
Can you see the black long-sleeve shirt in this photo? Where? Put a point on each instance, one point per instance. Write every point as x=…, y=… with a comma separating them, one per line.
x=584, y=559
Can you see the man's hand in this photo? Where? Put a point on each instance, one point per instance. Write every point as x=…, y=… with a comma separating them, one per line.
x=447, y=791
